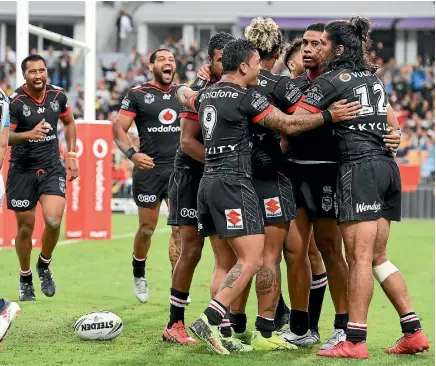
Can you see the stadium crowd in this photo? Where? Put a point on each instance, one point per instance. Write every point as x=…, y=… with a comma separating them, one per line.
x=411, y=90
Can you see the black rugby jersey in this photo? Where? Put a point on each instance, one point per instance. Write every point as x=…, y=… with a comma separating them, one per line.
x=317, y=145
x=267, y=156
x=182, y=160
x=361, y=137
x=156, y=117
x=226, y=111
x=25, y=114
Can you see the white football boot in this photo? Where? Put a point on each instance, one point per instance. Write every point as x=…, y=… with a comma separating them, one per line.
x=337, y=337
x=140, y=288
x=7, y=316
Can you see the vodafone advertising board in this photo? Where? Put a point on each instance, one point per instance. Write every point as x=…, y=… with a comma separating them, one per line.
x=8, y=224
x=89, y=214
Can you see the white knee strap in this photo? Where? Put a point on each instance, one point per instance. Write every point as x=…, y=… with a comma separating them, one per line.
x=383, y=271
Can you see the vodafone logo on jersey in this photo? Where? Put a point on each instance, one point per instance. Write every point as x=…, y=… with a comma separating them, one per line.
x=167, y=116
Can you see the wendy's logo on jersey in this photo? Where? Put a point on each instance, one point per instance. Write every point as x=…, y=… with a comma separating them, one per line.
x=148, y=98
x=54, y=106
x=345, y=77
x=26, y=110
x=167, y=116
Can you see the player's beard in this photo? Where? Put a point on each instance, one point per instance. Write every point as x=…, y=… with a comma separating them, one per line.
x=40, y=87
x=158, y=77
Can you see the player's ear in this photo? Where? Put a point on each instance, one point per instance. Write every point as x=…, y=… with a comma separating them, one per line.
x=339, y=50
x=243, y=68
x=291, y=65
x=150, y=67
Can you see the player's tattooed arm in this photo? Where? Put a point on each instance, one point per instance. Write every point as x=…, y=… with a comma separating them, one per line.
x=291, y=125
x=122, y=139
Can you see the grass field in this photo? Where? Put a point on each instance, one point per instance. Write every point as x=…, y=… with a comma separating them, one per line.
x=98, y=276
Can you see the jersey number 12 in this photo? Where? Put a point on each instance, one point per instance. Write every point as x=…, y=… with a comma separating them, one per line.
x=367, y=108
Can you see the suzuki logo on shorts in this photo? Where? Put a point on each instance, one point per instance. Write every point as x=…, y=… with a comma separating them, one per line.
x=20, y=203
x=272, y=207
x=191, y=213
x=363, y=207
x=167, y=116
x=146, y=199
x=100, y=148
x=234, y=219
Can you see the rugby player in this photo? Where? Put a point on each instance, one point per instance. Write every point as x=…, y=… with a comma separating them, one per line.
x=227, y=202
x=369, y=184
x=183, y=189
x=307, y=190
x=312, y=168
x=154, y=108
x=36, y=171
x=8, y=310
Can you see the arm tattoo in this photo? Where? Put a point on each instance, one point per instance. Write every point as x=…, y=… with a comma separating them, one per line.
x=232, y=276
x=265, y=281
x=291, y=125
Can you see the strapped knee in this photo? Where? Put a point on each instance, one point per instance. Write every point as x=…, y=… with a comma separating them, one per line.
x=383, y=271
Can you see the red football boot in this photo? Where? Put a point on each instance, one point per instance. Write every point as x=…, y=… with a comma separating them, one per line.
x=177, y=334
x=346, y=349
x=410, y=343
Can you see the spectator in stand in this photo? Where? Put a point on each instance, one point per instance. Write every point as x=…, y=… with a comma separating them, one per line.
x=10, y=55
x=64, y=66
x=51, y=62
x=109, y=73
x=125, y=27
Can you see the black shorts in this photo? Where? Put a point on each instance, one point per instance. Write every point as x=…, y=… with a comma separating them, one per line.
x=369, y=190
x=276, y=199
x=315, y=188
x=228, y=206
x=23, y=188
x=150, y=187
x=183, y=190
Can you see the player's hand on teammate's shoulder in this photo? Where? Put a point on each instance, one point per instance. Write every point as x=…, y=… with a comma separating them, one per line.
x=204, y=72
x=39, y=131
x=392, y=140
x=343, y=111
x=142, y=161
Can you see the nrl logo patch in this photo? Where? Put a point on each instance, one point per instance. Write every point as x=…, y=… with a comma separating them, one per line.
x=54, y=106
x=148, y=98
x=26, y=110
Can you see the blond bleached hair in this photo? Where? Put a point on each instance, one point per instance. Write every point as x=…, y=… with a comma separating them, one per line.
x=264, y=33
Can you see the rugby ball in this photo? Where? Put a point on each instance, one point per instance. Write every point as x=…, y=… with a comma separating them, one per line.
x=100, y=325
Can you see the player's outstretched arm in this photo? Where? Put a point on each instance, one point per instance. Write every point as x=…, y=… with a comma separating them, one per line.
x=70, y=133
x=302, y=120
x=190, y=130
x=121, y=138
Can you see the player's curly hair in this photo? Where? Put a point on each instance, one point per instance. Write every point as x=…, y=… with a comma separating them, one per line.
x=218, y=42
x=291, y=49
x=236, y=52
x=265, y=35
x=354, y=36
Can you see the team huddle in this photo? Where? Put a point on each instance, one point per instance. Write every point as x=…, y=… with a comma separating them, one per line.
x=264, y=165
